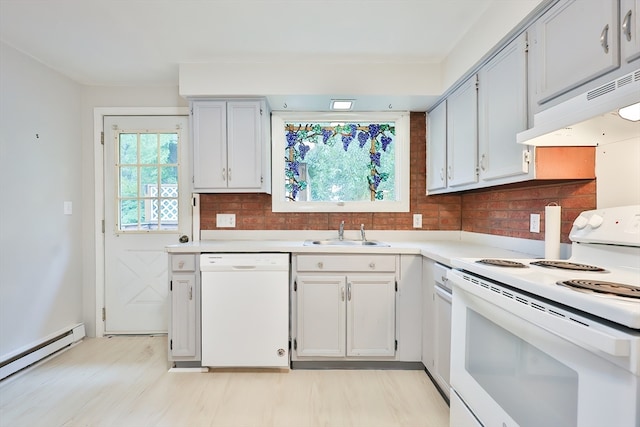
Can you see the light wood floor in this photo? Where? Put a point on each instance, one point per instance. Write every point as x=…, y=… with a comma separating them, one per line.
x=123, y=381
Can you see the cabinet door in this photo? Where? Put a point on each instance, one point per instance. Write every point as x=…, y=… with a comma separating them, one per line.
x=437, y=148
x=629, y=31
x=209, y=135
x=428, y=314
x=576, y=41
x=371, y=315
x=183, y=315
x=321, y=316
x=502, y=113
x=462, y=134
x=442, y=354
x=244, y=144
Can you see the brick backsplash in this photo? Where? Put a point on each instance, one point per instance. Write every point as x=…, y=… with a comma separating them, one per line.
x=500, y=210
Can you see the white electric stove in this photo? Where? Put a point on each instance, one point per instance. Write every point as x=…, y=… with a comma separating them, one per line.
x=602, y=277
x=537, y=341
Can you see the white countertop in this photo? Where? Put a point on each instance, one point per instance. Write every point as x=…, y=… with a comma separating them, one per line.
x=441, y=249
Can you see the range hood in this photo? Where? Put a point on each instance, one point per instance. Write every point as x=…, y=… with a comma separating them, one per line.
x=589, y=119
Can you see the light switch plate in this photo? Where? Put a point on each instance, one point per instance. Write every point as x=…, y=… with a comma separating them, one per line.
x=225, y=220
x=534, y=223
x=417, y=220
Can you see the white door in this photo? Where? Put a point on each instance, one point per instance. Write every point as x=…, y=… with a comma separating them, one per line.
x=146, y=208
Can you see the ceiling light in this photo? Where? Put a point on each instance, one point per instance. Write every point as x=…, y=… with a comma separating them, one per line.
x=630, y=112
x=341, y=104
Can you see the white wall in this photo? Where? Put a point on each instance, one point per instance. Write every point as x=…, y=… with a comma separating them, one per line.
x=40, y=247
x=110, y=97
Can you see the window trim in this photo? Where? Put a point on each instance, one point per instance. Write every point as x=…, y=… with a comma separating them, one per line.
x=402, y=150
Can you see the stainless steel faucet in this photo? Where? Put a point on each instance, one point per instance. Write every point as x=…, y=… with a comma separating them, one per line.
x=364, y=238
x=341, y=231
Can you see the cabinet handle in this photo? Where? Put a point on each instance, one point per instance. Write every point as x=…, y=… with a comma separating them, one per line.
x=482, y=162
x=444, y=279
x=372, y=265
x=224, y=174
x=349, y=291
x=441, y=174
x=626, y=26
x=320, y=265
x=190, y=293
x=229, y=174
x=342, y=293
x=181, y=264
x=604, y=39
x=449, y=172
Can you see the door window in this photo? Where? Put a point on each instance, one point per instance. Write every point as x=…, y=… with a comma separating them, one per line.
x=147, y=181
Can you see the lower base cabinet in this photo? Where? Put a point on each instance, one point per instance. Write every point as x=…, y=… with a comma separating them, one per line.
x=436, y=327
x=184, y=320
x=344, y=315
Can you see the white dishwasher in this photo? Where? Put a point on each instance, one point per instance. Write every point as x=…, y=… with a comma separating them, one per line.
x=245, y=310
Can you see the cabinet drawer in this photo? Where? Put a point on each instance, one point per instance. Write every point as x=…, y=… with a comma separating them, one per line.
x=346, y=263
x=183, y=262
x=440, y=274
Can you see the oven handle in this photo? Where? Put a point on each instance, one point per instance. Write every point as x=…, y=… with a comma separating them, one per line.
x=563, y=328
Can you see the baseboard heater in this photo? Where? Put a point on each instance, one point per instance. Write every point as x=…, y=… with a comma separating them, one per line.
x=39, y=350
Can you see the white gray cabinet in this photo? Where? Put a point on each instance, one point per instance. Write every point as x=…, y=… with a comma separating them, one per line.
x=231, y=149
x=471, y=139
x=575, y=42
x=184, y=323
x=629, y=30
x=462, y=135
x=502, y=113
x=344, y=307
x=442, y=332
x=436, y=338
x=437, y=148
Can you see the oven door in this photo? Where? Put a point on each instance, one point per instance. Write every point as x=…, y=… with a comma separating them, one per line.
x=514, y=364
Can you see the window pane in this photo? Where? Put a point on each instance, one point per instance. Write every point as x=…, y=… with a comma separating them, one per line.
x=128, y=215
x=128, y=148
x=128, y=181
x=149, y=181
x=148, y=148
x=169, y=175
x=335, y=162
x=168, y=214
x=168, y=148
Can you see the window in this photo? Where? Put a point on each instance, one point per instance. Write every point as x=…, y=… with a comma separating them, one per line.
x=340, y=162
x=147, y=174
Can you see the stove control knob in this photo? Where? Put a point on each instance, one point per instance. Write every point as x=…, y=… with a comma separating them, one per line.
x=580, y=222
x=596, y=221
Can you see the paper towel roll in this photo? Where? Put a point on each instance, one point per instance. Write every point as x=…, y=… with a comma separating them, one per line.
x=552, y=224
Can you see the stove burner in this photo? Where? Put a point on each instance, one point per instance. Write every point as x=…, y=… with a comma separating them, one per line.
x=598, y=286
x=564, y=265
x=501, y=263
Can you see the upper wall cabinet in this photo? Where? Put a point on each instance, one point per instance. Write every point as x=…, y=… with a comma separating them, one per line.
x=462, y=135
x=629, y=31
x=575, y=42
x=502, y=113
x=437, y=148
x=231, y=149
x=472, y=134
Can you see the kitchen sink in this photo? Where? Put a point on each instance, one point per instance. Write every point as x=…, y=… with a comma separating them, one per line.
x=336, y=242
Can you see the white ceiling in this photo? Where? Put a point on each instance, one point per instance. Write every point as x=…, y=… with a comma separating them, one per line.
x=141, y=42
